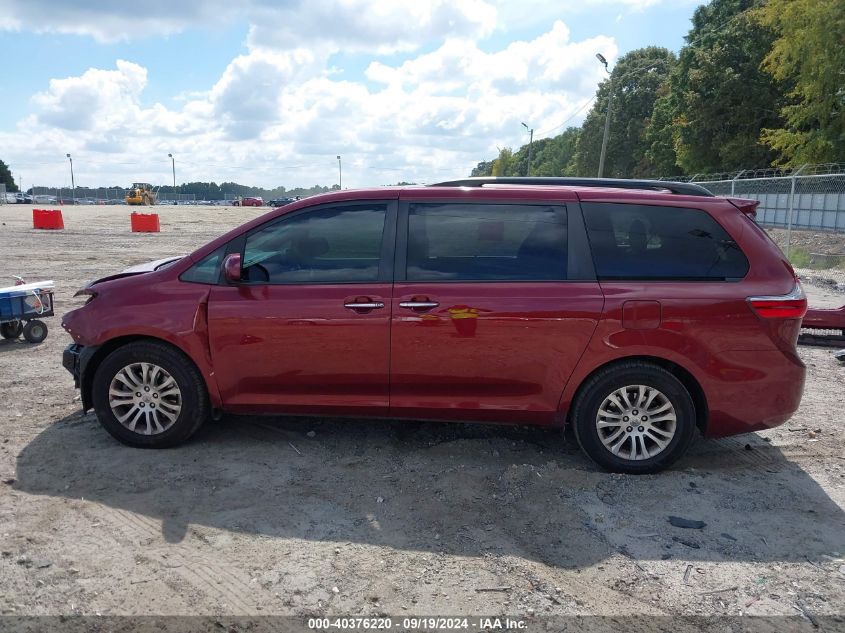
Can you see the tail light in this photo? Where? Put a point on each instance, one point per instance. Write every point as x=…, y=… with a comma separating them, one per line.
x=788, y=306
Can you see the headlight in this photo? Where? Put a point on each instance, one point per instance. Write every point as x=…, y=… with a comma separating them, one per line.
x=88, y=293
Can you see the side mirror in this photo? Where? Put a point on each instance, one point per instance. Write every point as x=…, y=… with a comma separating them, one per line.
x=232, y=268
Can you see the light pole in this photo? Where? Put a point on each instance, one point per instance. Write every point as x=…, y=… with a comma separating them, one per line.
x=602, y=60
x=173, y=163
x=530, y=143
x=72, y=183
x=339, y=173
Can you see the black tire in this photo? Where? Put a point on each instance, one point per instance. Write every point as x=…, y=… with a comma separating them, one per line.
x=195, y=407
x=12, y=329
x=35, y=331
x=605, y=382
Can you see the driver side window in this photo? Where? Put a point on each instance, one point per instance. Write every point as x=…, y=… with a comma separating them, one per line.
x=330, y=245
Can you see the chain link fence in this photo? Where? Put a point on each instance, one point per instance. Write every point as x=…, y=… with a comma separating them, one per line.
x=3, y=193
x=102, y=195
x=809, y=197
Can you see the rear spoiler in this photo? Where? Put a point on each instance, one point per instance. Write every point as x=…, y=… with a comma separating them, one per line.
x=746, y=205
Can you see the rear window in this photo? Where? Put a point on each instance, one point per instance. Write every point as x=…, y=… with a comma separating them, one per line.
x=486, y=242
x=631, y=241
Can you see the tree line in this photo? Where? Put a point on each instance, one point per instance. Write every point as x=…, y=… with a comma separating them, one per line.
x=759, y=83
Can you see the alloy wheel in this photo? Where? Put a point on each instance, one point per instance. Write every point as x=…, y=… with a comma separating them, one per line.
x=145, y=398
x=636, y=422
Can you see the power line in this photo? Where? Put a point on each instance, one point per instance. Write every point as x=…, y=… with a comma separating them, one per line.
x=577, y=112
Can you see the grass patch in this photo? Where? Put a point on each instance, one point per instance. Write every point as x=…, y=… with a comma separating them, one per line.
x=802, y=258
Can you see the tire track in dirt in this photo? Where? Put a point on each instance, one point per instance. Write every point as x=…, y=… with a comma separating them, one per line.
x=210, y=574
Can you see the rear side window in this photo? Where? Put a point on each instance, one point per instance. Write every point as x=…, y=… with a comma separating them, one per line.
x=631, y=241
x=486, y=242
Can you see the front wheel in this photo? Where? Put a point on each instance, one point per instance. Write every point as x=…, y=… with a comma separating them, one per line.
x=149, y=395
x=634, y=418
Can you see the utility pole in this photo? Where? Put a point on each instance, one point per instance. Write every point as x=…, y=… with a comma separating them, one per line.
x=530, y=143
x=173, y=162
x=606, y=135
x=339, y=173
x=72, y=183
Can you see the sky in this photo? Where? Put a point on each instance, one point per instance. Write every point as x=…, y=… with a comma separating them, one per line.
x=270, y=92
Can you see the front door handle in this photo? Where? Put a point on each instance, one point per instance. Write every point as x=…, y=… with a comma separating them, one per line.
x=364, y=305
x=418, y=305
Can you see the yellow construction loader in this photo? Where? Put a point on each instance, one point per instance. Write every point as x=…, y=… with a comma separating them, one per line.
x=141, y=193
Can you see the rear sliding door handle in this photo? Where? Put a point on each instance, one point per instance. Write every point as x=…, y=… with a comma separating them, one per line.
x=364, y=305
x=418, y=305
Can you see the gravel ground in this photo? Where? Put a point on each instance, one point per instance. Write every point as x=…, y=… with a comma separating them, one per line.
x=260, y=516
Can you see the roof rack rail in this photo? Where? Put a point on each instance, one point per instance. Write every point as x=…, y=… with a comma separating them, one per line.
x=684, y=188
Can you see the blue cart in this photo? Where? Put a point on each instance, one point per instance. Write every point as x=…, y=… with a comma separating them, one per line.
x=21, y=309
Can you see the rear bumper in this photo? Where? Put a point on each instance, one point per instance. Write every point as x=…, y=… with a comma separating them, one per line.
x=755, y=390
x=824, y=319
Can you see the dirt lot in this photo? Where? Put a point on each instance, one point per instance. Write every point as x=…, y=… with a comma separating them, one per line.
x=260, y=516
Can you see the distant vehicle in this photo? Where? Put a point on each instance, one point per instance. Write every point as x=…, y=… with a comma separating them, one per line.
x=280, y=202
x=638, y=312
x=44, y=199
x=141, y=193
x=249, y=202
x=23, y=198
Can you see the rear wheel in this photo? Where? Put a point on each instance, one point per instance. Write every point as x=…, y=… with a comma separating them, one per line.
x=634, y=418
x=149, y=395
x=35, y=331
x=12, y=329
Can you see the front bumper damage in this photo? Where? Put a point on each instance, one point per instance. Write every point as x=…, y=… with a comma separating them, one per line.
x=76, y=359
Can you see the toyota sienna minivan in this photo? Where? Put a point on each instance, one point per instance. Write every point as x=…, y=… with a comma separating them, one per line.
x=638, y=312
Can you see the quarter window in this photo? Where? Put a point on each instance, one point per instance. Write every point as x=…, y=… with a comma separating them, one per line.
x=207, y=270
x=631, y=241
x=334, y=244
x=486, y=242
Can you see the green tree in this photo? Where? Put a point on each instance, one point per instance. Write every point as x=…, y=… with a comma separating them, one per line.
x=549, y=157
x=504, y=165
x=659, y=140
x=484, y=168
x=808, y=57
x=719, y=97
x=554, y=156
x=635, y=81
x=6, y=178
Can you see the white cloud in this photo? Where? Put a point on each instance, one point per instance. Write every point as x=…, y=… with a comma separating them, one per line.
x=382, y=26
x=109, y=21
x=279, y=113
x=367, y=25
x=551, y=62
x=98, y=99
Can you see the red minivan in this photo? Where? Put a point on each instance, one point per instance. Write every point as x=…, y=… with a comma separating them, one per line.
x=639, y=312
